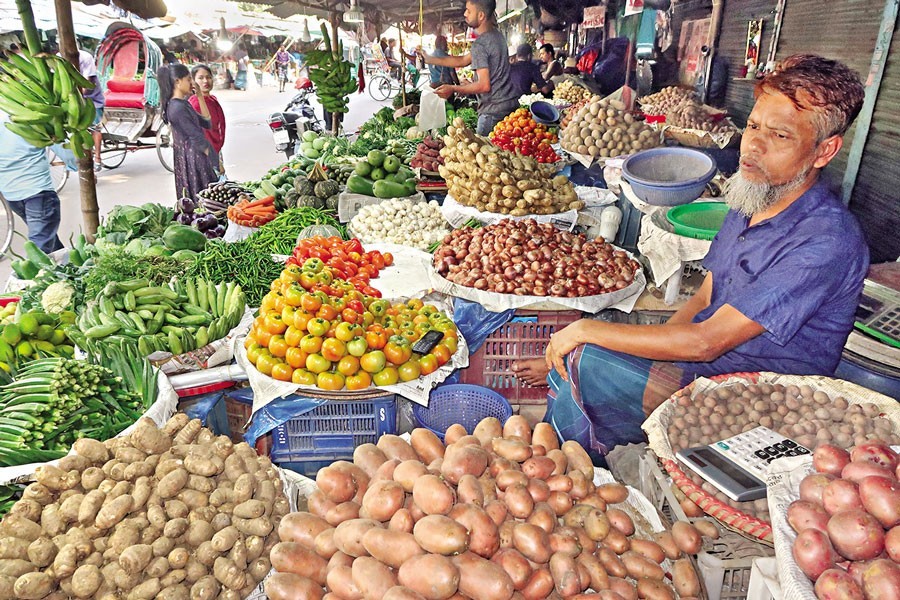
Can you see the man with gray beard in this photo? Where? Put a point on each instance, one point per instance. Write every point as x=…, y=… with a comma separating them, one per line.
x=785, y=275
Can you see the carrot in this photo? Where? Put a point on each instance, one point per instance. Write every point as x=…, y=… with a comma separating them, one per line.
x=268, y=200
x=262, y=211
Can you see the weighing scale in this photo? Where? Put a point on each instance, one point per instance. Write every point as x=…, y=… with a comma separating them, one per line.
x=878, y=313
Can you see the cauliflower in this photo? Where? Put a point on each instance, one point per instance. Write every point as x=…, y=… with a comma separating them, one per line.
x=57, y=297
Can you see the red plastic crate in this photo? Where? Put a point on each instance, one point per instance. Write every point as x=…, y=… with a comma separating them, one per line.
x=526, y=336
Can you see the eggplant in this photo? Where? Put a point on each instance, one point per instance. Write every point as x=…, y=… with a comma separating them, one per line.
x=199, y=222
x=185, y=205
x=210, y=234
x=220, y=230
x=185, y=218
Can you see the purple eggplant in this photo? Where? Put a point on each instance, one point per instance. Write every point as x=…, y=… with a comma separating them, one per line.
x=210, y=234
x=210, y=221
x=220, y=230
x=185, y=218
x=185, y=205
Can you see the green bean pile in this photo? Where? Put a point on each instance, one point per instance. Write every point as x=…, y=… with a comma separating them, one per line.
x=243, y=262
x=280, y=235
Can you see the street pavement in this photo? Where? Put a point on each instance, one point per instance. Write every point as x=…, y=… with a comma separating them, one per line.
x=248, y=153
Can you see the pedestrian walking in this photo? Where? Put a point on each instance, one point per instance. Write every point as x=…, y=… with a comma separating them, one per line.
x=282, y=62
x=195, y=159
x=215, y=135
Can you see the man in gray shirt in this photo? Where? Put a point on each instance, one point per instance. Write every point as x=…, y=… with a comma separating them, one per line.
x=489, y=58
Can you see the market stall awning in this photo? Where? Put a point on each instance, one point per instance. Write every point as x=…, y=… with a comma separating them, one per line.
x=392, y=10
x=146, y=9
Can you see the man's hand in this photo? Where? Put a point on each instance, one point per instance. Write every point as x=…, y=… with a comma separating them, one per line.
x=561, y=343
x=445, y=91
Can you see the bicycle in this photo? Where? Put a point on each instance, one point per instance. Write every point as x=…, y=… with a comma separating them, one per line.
x=385, y=86
x=115, y=146
x=59, y=171
x=7, y=227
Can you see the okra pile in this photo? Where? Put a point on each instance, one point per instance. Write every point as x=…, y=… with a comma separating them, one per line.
x=54, y=401
x=176, y=318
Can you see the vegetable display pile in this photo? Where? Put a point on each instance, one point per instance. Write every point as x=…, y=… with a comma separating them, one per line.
x=126, y=223
x=503, y=513
x=171, y=513
x=849, y=510
x=35, y=335
x=253, y=214
x=665, y=100
x=520, y=133
x=528, y=99
x=158, y=270
x=428, y=154
x=534, y=259
x=690, y=114
x=481, y=175
x=802, y=413
x=345, y=260
x=217, y=197
x=312, y=144
x=54, y=401
x=602, y=129
x=280, y=235
x=315, y=192
x=382, y=176
x=401, y=221
x=179, y=317
x=244, y=263
x=571, y=92
x=331, y=74
x=570, y=112
x=189, y=212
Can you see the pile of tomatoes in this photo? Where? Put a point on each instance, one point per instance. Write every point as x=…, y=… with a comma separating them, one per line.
x=345, y=259
x=521, y=134
x=335, y=336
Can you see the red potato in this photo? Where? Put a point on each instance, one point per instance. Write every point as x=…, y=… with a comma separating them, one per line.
x=655, y=589
x=667, y=543
x=393, y=548
x=620, y=520
x=690, y=509
x=856, y=471
x=348, y=536
x=519, y=501
x=368, y=458
x=396, y=447
x=385, y=471
x=511, y=477
x=481, y=578
x=441, y=535
x=623, y=588
x=342, y=512
x=402, y=521
x=453, y=433
x=638, y=566
x=564, y=541
x=804, y=515
x=841, y=495
x=432, y=576
x=687, y=538
x=856, y=535
x=339, y=559
x=460, y=460
x=565, y=575
x=532, y=541
x=383, y=499
x=324, y=544
x=599, y=576
x=877, y=453
x=511, y=449
x=539, y=467
x=400, y=592
x=612, y=563
x=288, y=586
x=488, y=429
x=612, y=493
x=649, y=550
x=814, y=553
x=340, y=582
x=685, y=579
x=539, y=586
x=516, y=566
x=426, y=445
x=578, y=459
x=407, y=472
x=880, y=496
x=881, y=580
x=616, y=541
x=337, y=485
x=830, y=459
x=559, y=483
x=301, y=527
x=318, y=504
x=517, y=426
x=497, y=511
x=469, y=490
x=291, y=557
x=581, y=486
x=372, y=577
x=544, y=435
x=560, y=502
x=484, y=537
x=432, y=495
x=543, y=516
x=892, y=543
x=813, y=486
x=836, y=584
x=539, y=490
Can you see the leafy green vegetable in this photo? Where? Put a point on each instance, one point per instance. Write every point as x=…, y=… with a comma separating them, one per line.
x=148, y=220
x=68, y=273
x=119, y=266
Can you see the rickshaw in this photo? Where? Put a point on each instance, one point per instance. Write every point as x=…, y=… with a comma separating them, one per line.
x=127, y=61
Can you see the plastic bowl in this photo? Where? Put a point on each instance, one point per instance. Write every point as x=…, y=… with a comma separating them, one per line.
x=460, y=403
x=668, y=176
x=544, y=112
x=700, y=220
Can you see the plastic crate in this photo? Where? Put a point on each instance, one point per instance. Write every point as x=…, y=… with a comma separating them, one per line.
x=331, y=432
x=462, y=403
x=526, y=336
x=238, y=410
x=725, y=564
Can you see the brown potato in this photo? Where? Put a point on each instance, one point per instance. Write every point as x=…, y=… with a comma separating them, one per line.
x=545, y=436
x=368, y=457
x=432, y=495
x=488, y=429
x=453, y=433
x=519, y=501
x=543, y=516
x=469, y=490
x=685, y=579
x=407, y=472
x=515, y=564
x=383, y=499
x=532, y=541
x=432, y=576
x=620, y=520
x=576, y=516
x=686, y=537
x=426, y=444
x=517, y=426
x=481, y=578
x=484, y=536
x=594, y=500
x=638, y=566
x=340, y=582
x=348, y=536
x=514, y=450
x=441, y=535
x=560, y=502
x=649, y=550
x=654, y=589
x=372, y=577
x=598, y=575
x=396, y=447
x=539, y=585
x=565, y=574
x=612, y=563
x=393, y=548
x=612, y=493
x=460, y=460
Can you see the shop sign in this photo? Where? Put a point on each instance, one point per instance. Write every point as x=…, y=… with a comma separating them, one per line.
x=594, y=17
x=633, y=7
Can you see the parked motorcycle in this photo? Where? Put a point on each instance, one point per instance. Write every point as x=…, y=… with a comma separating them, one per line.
x=298, y=116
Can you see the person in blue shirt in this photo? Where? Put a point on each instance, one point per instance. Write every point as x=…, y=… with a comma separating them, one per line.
x=784, y=279
x=26, y=184
x=524, y=73
x=442, y=75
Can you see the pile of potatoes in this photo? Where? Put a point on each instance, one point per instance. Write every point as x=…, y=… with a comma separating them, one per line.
x=808, y=416
x=665, y=100
x=693, y=115
x=571, y=92
x=849, y=510
x=172, y=514
x=502, y=513
x=490, y=179
x=569, y=113
x=602, y=129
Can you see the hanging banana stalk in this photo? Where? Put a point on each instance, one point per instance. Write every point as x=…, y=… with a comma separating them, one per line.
x=332, y=75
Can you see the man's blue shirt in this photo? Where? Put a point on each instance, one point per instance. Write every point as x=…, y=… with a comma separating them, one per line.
x=24, y=169
x=799, y=275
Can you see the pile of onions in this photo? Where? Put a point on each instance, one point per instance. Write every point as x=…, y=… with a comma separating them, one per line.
x=528, y=258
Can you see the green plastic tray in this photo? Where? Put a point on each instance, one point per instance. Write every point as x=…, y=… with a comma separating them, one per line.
x=701, y=220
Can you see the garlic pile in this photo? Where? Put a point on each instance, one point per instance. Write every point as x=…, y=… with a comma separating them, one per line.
x=400, y=221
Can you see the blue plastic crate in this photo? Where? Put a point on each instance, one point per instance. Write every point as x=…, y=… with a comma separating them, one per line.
x=331, y=432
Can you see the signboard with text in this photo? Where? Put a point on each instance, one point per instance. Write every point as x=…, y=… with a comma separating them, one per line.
x=594, y=17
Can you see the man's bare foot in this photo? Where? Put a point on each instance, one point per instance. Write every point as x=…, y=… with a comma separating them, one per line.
x=533, y=372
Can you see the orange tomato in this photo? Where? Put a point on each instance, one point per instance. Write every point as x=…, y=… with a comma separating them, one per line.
x=310, y=303
x=330, y=381
x=279, y=304
x=409, y=370
x=376, y=339
x=327, y=312
x=348, y=365
x=293, y=336
x=296, y=357
x=388, y=259
x=428, y=364
x=301, y=318
x=334, y=349
x=278, y=346
x=442, y=353
x=282, y=372
x=303, y=377
x=396, y=353
x=359, y=381
x=263, y=337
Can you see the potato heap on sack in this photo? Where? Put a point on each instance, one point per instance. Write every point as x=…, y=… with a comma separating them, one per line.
x=168, y=514
x=570, y=112
x=502, y=513
x=481, y=175
x=602, y=129
x=665, y=100
x=808, y=416
x=571, y=92
x=693, y=115
x=849, y=510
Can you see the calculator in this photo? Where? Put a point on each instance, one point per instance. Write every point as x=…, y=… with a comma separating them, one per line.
x=737, y=466
x=878, y=313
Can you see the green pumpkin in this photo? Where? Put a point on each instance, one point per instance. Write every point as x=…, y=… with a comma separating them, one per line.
x=324, y=189
x=310, y=201
x=319, y=229
x=331, y=203
x=290, y=199
x=304, y=186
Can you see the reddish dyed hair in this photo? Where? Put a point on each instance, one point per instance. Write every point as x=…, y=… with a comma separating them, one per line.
x=829, y=89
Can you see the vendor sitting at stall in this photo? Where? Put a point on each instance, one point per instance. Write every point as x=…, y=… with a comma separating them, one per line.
x=525, y=75
x=785, y=275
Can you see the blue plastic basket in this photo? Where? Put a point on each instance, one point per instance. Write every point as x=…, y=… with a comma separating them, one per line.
x=331, y=431
x=668, y=176
x=460, y=403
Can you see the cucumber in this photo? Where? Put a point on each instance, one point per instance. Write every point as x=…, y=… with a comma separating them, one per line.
x=389, y=189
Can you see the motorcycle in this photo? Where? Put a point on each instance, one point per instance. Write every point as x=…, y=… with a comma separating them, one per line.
x=298, y=116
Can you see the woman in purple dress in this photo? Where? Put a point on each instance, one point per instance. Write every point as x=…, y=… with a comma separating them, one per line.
x=195, y=158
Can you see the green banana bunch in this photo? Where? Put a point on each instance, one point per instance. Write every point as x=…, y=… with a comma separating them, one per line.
x=42, y=95
x=331, y=75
